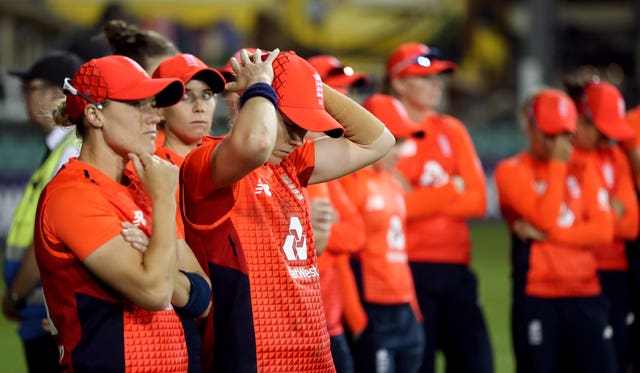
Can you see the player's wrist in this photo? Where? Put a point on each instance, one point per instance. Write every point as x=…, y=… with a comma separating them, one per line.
x=15, y=300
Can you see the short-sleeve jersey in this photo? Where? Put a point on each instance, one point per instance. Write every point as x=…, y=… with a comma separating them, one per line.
x=569, y=205
x=437, y=214
x=96, y=328
x=257, y=243
x=386, y=277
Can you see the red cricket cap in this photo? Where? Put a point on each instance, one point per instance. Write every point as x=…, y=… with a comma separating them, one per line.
x=553, y=112
x=227, y=71
x=187, y=67
x=602, y=104
x=300, y=98
x=418, y=60
x=335, y=75
x=117, y=78
x=391, y=112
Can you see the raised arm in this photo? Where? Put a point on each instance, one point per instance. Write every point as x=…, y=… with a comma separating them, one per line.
x=252, y=137
x=365, y=140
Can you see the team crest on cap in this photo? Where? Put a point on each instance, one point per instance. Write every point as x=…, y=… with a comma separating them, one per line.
x=621, y=107
x=137, y=66
x=190, y=60
x=563, y=108
x=319, y=95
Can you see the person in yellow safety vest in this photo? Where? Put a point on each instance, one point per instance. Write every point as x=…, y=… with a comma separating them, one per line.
x=22, y=300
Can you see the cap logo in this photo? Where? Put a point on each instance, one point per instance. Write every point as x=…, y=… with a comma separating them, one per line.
x=563, y=108
x=137, y=66
x=318, y=82
x=621, y=107
x=190, y=60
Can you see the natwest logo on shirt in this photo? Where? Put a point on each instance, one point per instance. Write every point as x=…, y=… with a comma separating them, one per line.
x=295, y=245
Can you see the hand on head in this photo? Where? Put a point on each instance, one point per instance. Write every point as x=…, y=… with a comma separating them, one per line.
x=158, y=177
x=252, y=69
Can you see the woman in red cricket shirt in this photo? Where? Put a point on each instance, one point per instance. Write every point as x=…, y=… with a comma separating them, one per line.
x=556, y=210
x=601, y=123
x=392, y=340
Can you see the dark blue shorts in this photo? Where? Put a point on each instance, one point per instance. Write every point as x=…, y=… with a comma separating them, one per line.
x=562, y=335
x=453, y=319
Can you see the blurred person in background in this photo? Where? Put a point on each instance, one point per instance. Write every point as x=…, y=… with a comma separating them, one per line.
x=556, y=211
x=393, y=339
x=601, y=127
x=446, y=187
x=146, y=47
x=632, y=148
x=335, y=220
x=22, y=299
x=244, y=208
x=102, y=295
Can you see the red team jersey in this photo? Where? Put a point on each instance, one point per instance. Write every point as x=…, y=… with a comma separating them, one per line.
x=437, y=214
x=347, y=236
x=386, y=277
x=255, y=239
x=568, y=203
x=96, y=328
x=176, y=159
x=612, y=166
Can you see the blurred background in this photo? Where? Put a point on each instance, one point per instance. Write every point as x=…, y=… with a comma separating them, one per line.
x=505, y=50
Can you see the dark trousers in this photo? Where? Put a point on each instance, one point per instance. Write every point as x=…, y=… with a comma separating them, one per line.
x=615, y=288
x=392, y=341
x=562, y=335
x=341, y=352
x=42, y=355
x=453, y=319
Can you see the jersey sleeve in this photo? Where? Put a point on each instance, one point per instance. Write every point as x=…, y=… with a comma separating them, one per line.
x=472, y=202
x=518, y=197
x=597, y=226
x=195, y=174
x=626, y=227
x=303, y=160
x=348, y=232
x=354, y=314
x=71, y=213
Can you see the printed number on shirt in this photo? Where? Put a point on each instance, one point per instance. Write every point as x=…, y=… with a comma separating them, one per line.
x=433, y=175
x=295, y=245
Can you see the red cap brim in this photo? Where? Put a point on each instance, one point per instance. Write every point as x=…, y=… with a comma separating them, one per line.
x=168, y=92
x=314, y=120
x=436, y=67
x=346, y=81
x=618, y=130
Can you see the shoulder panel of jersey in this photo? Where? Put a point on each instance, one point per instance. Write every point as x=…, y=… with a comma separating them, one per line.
x=82, y=199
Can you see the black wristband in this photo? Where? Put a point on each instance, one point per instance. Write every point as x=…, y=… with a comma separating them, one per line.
x=199, y=296
x=262, y=90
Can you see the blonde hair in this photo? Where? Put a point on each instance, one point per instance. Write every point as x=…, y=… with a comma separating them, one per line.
x=61, y=117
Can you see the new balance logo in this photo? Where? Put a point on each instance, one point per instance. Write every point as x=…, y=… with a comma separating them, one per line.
x=138, y=218
x=262, y=187
x=295, y=245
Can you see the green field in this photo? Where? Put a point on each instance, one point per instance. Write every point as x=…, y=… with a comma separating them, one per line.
x=491, y=264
